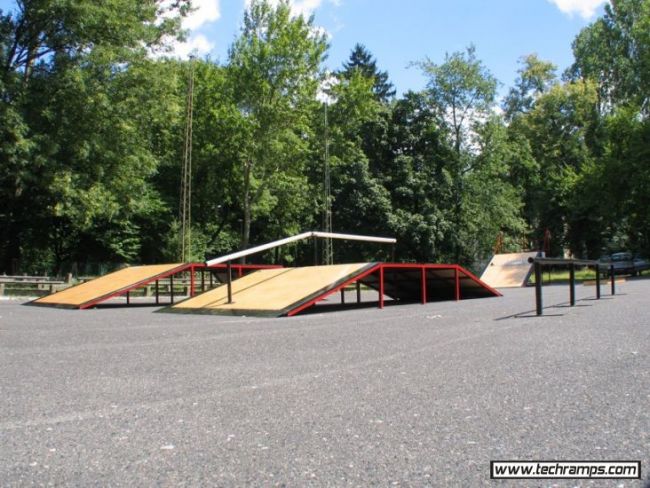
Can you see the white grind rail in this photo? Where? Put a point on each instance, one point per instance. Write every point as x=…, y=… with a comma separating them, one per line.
x=298, y=237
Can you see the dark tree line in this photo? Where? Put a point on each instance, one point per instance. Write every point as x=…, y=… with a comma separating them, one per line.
x=93, y=124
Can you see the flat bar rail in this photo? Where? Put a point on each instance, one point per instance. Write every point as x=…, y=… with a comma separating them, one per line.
x=542, y=262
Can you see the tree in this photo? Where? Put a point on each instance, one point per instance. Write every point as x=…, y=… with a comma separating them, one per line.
x=615, y=53
x=274, y=64
x=462, y=93
x=78, y=91
x=361, y=61
x=535, y=78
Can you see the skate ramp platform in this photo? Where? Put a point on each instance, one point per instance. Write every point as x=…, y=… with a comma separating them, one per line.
x=289, y=291
x=117, y=283
x=121, y=282
x=509, y=270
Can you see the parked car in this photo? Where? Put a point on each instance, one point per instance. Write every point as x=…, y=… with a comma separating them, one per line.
x=625, y=263
x=641, y=264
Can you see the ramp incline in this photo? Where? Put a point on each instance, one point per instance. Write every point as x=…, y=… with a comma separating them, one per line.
x=289, y=291
x=114, y=284
x=272, y=292
x=509, y=270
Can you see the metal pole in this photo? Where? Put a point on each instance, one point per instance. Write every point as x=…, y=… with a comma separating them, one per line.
x=423, y=285
x=572, y=284
x=597, y=282
x=229, y=280
x=381, y=287
x=613, y=280
x=202, y=279
x=171, y=287
x=191, y=281
x=538, y=288
x=157, y=293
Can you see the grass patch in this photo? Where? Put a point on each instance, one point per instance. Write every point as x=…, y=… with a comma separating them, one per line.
x=562, y=275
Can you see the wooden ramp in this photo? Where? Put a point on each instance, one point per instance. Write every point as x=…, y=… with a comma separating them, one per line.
x=289, y=291
x=509, y=270
x=119, y=283
x=114, y=284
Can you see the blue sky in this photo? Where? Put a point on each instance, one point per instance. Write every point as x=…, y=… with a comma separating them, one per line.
x=399, y=32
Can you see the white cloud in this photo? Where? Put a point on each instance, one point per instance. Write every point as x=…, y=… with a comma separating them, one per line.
x=302, y=7
x=585, y=8
x=198, y=45
x=205, y=11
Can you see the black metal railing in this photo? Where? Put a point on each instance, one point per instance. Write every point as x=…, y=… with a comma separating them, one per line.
x=571, y=264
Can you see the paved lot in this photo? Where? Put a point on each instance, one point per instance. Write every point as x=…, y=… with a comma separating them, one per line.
x=409, y=396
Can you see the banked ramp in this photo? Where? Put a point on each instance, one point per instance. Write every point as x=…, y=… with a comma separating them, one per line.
x=121, y=282
x=509, y=270
x=90, y=293
x=289, y=291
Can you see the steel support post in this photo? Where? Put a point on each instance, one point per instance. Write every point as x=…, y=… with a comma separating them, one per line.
x=572, y=284
x=538, y=289
x=423, y=284
x=381, y=287
x=191, y=281
x=229, y=280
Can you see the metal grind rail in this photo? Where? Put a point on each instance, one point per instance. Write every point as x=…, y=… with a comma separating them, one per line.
x=227, y=259
x=571, y=264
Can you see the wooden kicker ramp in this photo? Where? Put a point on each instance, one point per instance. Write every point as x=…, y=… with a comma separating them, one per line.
x=509, y=270
x=289, y=291
x=121, y=282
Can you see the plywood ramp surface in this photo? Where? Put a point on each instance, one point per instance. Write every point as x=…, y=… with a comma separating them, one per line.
x=271, y=292
x=106, y=285
x=508, y=270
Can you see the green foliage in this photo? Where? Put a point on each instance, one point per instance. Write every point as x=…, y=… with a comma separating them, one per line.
x=93, y=129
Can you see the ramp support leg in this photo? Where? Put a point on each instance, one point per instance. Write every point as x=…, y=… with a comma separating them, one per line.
x=192, y=287
x=457, y=283
x=229, y=280
x=381, y=287
x=613, y=281
x=157, y=292
x=202, y=280
x=211, y=279
x=597, y=282
x=358, y=292
x=171, y=288
x=128, y=298
x=343, y=296
x=423, y=285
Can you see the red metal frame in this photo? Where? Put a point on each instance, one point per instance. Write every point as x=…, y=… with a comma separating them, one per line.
x=313, y=301
x=380, y=267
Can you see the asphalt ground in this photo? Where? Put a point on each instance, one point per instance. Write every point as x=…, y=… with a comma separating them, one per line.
x=410, y=395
